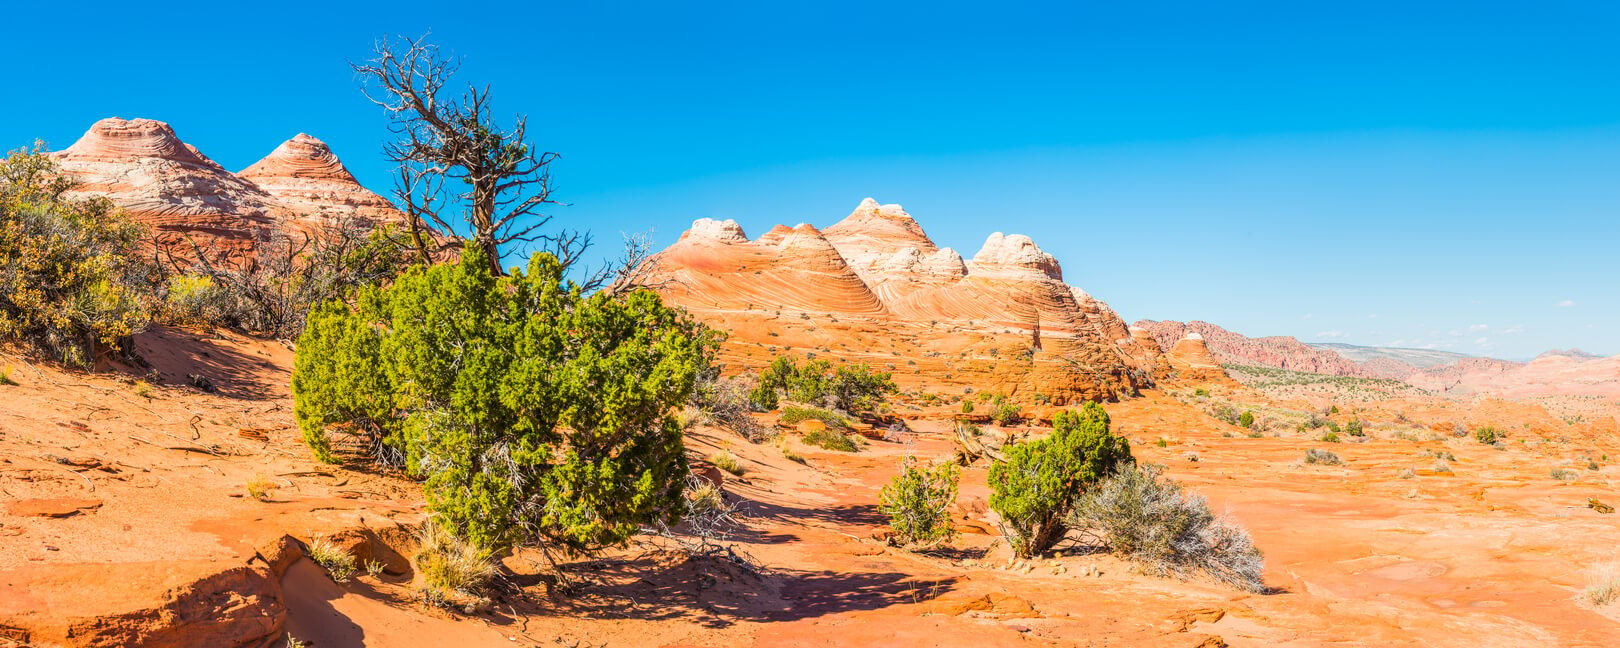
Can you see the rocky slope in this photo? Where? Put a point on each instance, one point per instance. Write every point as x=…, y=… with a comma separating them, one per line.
x=1281, y=352
x=874, y=288
x=144, y=167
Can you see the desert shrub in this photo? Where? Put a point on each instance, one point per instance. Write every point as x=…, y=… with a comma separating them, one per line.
x=727, y=462
x=1406, y=473
x=1201, y=392
x=831, y=439
x=338, y=563
x=450, y=564
x=1191, y=456
x=1036, y=485
x=727, y=402
x=763, y=397
x=531, y=411
x=1489, y=435
x=1564, y=474
x=191, y=299
x=1603, y=584
x=1322, y=457
x=918, y=502
x=795, y=415
x=272, y=292
x=1151, y=521
x=793, y=456
x=1330, y=437
x=5, y=377
x=1440, y=466
x=1355, y=428
x=1003, y=412
x=1315, y=421
x=260, y=488
x=851, y=388
x=1247, y=419
x=967, y=407
x=71, y=286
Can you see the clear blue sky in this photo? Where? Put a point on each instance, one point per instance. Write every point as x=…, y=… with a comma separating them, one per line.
x=1438, y=174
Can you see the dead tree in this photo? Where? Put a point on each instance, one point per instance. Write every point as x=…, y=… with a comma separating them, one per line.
x=443, y=142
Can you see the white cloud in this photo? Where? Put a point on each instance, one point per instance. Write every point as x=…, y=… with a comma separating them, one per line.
x=1373, y=316
x=1512, y=330
x=1332, y=334
x=1566, y=303
x=1309, y=316
x=1483, y=341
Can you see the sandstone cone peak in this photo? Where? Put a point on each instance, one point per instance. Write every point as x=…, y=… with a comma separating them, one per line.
x=305, y=176
x=143, y=167
x=116, y=139
x=873, y=234
x=726, y=231
x=1193, y=362
x=1014, y=257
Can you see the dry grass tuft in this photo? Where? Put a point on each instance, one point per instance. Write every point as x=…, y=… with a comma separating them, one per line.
x=338, y=563
x=260, y=488
x=1603, y=584
x=450, y=564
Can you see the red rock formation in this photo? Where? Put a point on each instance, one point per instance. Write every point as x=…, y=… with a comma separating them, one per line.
x=143, y=167
x=1281, y=352
x=874, y=288
x=1550, y=374
x=306, y=178
x=1193, y=362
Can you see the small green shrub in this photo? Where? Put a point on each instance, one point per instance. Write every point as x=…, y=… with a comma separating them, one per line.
x=795, y=457
x=1165, y=531
x=763, y=398
x=1200, y=392
x=967, y=407
x=1247, y=419
x=1322, y=457
x=1330, y=437
x=918, y=502
x=831, y=439
x=1036, y=486
x=1004, y=412
x=1489, y=435
x=794, y=415
x=5, y=377
x=727, y=462
x=1354, y=428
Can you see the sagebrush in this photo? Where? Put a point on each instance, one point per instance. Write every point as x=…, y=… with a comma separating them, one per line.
x=918, y=502
x=1151, y=520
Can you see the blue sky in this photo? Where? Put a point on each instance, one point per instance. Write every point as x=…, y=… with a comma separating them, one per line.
x=1441, y=174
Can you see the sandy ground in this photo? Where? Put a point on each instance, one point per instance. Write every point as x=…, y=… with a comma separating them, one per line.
x=124, y=519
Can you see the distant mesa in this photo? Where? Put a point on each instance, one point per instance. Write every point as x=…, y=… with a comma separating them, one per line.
x=875, y=288
x=142, y=166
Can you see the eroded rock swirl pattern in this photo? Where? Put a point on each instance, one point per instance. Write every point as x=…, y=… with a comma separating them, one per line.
x=874, y=288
